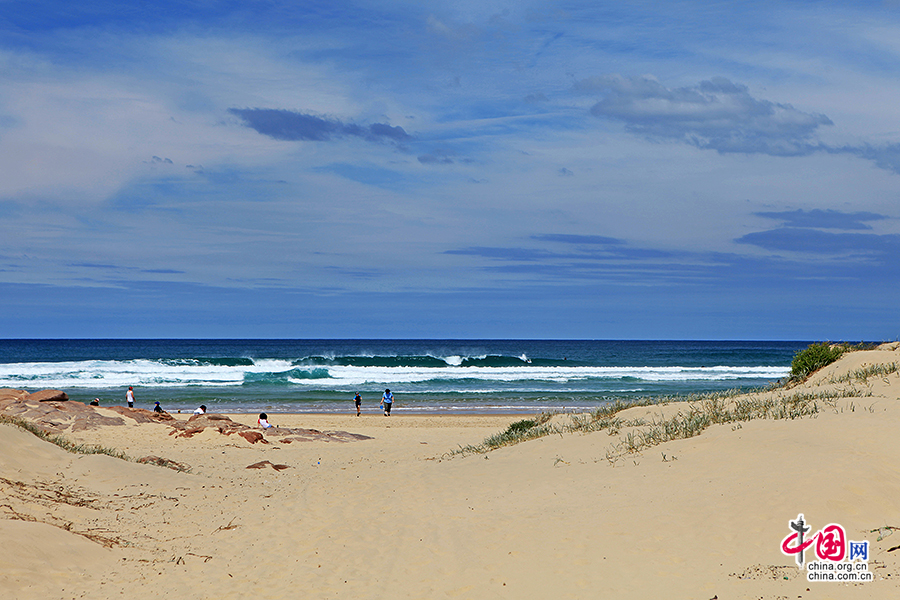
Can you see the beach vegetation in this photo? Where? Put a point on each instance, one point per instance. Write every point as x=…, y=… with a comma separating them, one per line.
x=520, y=431
x=59, y=440
x=815, y=356
x=812, y=358
x=520, y=426
x=863, y=374
x=75, y=448
x=637, y=434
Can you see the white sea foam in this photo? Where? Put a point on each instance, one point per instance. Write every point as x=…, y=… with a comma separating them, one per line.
x=118, y=374
x=360, y=375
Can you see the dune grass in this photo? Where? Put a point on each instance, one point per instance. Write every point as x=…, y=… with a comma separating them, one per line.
x=74, y=448
x=59, y=440
x=862, y=375
x=701, y=411
x=520, y=431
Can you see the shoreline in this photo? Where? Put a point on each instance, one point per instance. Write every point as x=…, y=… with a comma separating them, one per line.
x=377, y=413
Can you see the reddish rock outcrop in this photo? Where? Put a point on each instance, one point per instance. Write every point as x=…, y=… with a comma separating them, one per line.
x=285, y=435
x=252, y=436
x=55, y=417
x=139, y=415
x=11, y=394
x=63, y=415
x=48, y=396
x=265, y=463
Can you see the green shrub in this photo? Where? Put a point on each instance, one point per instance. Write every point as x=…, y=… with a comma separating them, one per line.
x=813, y=358
x=520, y=426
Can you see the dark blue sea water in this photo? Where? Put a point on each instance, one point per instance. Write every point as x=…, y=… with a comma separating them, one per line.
x=426, y=376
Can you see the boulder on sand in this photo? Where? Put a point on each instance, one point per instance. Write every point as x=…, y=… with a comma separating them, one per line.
x=48, y=396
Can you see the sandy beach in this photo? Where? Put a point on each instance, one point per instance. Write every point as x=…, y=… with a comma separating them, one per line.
x=396, y=515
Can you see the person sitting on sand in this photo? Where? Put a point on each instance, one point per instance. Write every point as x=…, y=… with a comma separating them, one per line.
x=386, y=401
x=358, y=400
x=201, y=410
x=157, y=408
x=95, y=402
x=263, y=421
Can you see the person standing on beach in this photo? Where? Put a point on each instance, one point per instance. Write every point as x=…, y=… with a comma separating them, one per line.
x=129, y=397
x=386, y=401
x=358, y=400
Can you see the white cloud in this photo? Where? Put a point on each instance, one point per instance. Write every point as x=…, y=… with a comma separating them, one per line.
x=716, y=114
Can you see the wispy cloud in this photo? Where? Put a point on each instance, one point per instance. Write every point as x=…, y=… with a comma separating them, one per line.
x=293, y=126
x=716, y=114
x=813, y=241
x=504, y=254
x=802, y=233
x=435, y=158
x=569, y=252
x=824, y=219
x=721, y=115
x=568, y=238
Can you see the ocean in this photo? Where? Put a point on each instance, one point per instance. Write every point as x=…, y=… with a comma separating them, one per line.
x=425, y=376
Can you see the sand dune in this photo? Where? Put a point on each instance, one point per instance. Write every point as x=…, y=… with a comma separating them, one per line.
x=394, y=517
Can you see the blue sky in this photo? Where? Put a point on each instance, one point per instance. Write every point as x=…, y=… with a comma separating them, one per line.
x=626, y=170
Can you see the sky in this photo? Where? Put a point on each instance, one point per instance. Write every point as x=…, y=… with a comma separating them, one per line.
x=456, y=169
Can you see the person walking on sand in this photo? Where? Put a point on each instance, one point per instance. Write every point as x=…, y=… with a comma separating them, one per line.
x=386, y=401
x=263, y=421
x=358, y=400
x=129, y=397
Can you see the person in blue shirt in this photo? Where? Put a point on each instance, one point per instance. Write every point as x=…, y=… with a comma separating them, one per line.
x=386, y=401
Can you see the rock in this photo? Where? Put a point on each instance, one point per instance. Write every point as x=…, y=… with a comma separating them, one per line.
x=11, y=394
x=209, y=417
x=51, y=414
x=48, y=396
x=252, y=436
x=187, y=433
x=140, y=415
x=54, y=417
x=264, y=463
